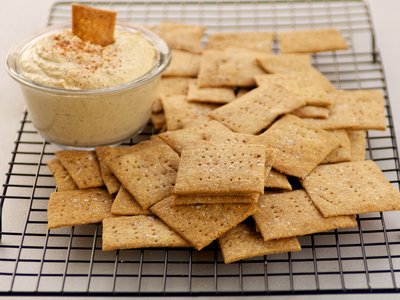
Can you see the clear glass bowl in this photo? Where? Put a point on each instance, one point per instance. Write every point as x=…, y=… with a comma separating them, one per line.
x=93, y=117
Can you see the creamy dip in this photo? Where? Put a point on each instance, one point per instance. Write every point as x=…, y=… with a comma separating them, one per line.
x=63, y=60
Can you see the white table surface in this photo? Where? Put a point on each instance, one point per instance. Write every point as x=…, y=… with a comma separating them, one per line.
x=18, y=18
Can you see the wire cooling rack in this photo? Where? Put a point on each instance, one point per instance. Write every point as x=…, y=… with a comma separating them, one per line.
x=35, y=261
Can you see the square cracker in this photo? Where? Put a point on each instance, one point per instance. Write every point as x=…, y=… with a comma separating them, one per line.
x=357, y=144
x=292, y=214
x=302, y=84
x=233, y=67
x=210, y=131
x=105, y=154
x=302, y=145
x=311, y=41
x=260, y=41
x=183, y=63
x=177, y=110
x=125, y=205
x=138, y=232
x=79, y=207
x=351, y=188
x=277, y=180
x=64, y=182
x=149, y=174
x=343, y=152
x=82, y=166
x=170, y=86
x=182, y=36
x=202, y=224
x=210, y=94
x=192, y=200
x=355, y=110
x=311, y=111
x=208, y=168
x=257, y=109
x=284, y=63
x=244, y=242
x=93, y=24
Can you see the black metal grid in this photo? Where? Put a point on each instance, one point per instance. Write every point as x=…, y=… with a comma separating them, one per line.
x=35, y=261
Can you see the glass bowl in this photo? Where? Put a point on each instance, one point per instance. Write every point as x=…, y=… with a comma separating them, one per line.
x=92, y=117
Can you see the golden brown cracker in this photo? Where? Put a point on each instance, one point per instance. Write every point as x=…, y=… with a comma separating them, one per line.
x=342, y=153
x=138, y=232
x=312, y=111
x=202, y=224
x=355, y=110
x=284, y=63
x=63, y=180
x=351, y=188
x=311, y=41
x=82, y=166
x=233, y=67
x=210, y=94
x=290, y=214
x=244, y=242
x=177, y=109
x=277, y=180
x=257, y=109
x=125, y=205
x=208, y=168
x=148, y=174
x=183, y=64
x=192, y=200
x=260, y=41
x=182, y=36
x=357, y=144
x=302, y=146
x=78, y=207
x=93, y=24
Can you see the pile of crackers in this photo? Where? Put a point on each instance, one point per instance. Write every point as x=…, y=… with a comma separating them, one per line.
x=254, y=150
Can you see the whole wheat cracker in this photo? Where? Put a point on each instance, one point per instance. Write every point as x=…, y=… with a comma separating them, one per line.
x=355, y=110
x=312, y=111
x=305, y=84
x=78, y=207
x=208, y=168
x=256, y=40
x=284, y=63
x=210, y=94
x=182, y=36
x=177, y=109
x=232, y=67
x=357, y=144
x=138, y=232
x=290, y=214
x=202, y=224
x=257, y=109
x=158, y=120
x=82, y=166
x=149, y=174
x=311, y=41
x=63, y=180
x=125, y=205
x=342, y=153
x=351, y=188
x=183, y=64
x=277, y=180
x=244, y=242
x=194, y=200
x=93, y=24
x=302, y=145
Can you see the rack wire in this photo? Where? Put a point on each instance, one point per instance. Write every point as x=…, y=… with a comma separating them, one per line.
x=35, y=261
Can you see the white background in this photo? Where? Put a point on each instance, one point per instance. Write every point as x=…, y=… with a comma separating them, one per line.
x=19, y=18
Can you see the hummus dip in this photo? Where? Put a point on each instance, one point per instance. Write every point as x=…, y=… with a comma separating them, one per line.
x=63, y=60
x=81, y=95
